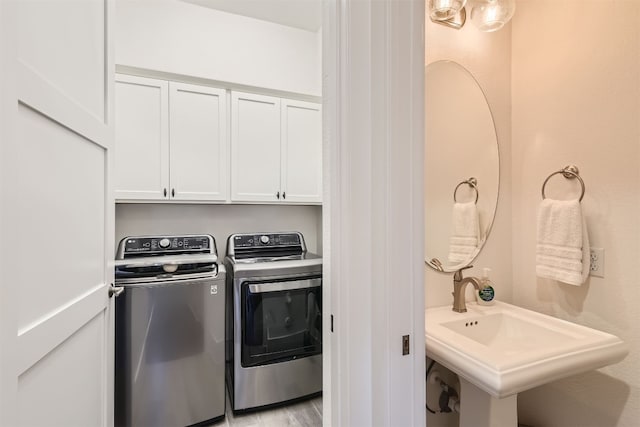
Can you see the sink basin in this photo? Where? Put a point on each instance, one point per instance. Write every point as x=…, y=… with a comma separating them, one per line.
x=504, y=349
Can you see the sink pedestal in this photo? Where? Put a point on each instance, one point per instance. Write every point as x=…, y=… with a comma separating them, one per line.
x=479, y=409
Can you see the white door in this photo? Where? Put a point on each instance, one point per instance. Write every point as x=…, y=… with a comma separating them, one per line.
x=142, y=138
x=301, y=151
x=255, y=148
x=57, y=213
x=198, y=142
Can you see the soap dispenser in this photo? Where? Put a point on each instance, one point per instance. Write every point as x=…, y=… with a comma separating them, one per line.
x=486, y=295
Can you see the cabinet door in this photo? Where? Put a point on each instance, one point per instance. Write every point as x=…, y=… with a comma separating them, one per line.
x=142, y=138
x=301, y=152
x=255, y=148
x=198, y=142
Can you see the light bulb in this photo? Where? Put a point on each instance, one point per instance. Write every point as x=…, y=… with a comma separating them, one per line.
x=491, y=15
x=441, y=10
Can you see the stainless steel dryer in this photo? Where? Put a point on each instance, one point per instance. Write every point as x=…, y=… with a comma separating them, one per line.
x=169, y=332
x=274, y=330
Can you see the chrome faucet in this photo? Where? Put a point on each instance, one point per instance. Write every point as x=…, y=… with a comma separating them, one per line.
x=459, y=285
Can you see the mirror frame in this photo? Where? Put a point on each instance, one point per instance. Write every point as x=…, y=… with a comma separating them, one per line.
x=437, y=265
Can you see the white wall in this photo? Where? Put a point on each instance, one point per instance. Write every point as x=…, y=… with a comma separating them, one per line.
x=576, y=99
x=488, y=57
x=182, y=38
x=219, y=220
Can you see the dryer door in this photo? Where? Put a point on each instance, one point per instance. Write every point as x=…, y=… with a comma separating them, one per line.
x=281, y=320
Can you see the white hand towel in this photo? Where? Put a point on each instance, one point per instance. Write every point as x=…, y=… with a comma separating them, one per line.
x=562, y=251
x=465, y=230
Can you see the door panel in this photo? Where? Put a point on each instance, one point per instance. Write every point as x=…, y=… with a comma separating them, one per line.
x=62, y=41
x=48, y=146
x=56, y=213
x=301, y=151
x=58, y=389
x=198, y=142
x=255, y=147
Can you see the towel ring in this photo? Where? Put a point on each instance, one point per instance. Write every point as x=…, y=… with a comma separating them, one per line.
x=471, y=182
x=569, y=172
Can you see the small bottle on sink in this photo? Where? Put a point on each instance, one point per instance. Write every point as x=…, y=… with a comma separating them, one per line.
x=486, y=295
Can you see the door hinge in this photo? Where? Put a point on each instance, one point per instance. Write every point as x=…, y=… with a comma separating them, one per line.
x=405, y=345
x=332, y=323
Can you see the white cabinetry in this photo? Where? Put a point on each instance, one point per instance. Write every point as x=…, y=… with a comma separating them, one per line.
x=255, y=148
x=301, y=176
x=171, y=141
x=142, y=138
x=197, y=142
x=276, y=150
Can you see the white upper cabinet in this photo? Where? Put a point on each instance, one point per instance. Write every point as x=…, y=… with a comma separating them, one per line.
x=198, y=142
x=142, y=138
x=171, y=141
x=255, y=148
x=276, y=150
x=301, y=152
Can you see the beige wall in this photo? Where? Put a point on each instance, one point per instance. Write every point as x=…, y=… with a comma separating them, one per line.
x=488, y=57
x=576, y=99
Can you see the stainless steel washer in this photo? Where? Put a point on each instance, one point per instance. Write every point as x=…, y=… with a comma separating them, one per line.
x=274, y=329
x=169, y=332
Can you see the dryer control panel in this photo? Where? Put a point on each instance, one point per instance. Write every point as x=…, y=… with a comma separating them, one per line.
x=265, y=244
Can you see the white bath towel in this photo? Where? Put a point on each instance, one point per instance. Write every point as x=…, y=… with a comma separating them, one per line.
x=465, y=230
x=562, y=251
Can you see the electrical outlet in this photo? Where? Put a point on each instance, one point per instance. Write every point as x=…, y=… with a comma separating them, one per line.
x=597, y=262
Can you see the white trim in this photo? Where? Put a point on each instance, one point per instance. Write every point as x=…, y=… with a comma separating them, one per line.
x=331, y=402
x=8, y=131
x=373, y=217
x=110, y=213
x=230, y=86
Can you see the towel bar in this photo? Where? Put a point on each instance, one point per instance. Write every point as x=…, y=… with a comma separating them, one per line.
x=471, y=182
x=569, y=172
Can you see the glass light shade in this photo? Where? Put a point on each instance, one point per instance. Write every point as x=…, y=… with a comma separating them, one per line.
x=441, y=10
x=491, y=15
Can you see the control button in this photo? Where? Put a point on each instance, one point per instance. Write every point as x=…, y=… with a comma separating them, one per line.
x=164, y=243
x=264, y=239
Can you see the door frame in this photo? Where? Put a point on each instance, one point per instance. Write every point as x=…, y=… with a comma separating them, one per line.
x=373, y=138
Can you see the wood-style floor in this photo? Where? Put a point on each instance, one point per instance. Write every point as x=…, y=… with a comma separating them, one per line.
x=307, y=413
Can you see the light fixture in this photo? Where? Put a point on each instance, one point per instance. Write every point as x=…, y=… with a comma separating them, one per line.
x=448, y=12
x=442, y=10
x=487, y=15
x=491, y=15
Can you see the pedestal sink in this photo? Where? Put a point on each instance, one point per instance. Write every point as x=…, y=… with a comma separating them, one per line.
x=500, y=350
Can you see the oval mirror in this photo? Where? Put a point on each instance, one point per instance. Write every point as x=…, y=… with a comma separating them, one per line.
x=461, y=167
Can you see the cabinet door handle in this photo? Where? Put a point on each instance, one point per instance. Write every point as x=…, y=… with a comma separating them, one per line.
x=173, y=192
x=165, y=192
x=284, y=195
x=278, y=195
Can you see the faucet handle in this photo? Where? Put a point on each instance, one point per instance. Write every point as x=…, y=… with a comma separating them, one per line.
x=458, y=274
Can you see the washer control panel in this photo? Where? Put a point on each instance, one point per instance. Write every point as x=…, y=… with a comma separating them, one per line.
x=152, y=245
